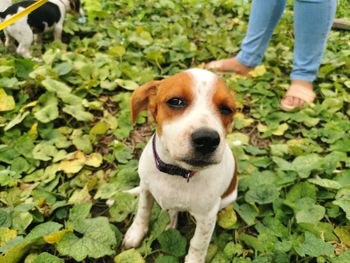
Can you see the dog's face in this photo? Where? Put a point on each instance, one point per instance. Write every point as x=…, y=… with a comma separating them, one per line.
x=193, y=110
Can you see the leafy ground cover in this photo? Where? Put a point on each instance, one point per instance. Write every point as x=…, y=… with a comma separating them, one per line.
x=68, y=149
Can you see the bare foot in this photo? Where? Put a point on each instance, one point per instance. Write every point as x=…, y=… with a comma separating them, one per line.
x=229, y=65
x=299, y=93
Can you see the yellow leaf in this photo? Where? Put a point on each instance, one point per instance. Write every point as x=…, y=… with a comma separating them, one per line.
x=33, y=132
x=282, y=128
x=94, y=160
x=343, y=232
x=80, y=196
x=6, y=235
x=7, y=103
x=262, y=127
x=244, y=122
x=55, y=237
x=258, y=71
x=227, y=217
x=73, y=163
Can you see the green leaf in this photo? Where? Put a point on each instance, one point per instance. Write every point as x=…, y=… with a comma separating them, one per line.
x=47, y=258
x=55, y=86
x=166, y=259
x=342, y=200
x=49, y=111
x=129, y=256
x=314, y=247
x=44, y=151
x=173, y=243
x=246, y=212
x=5, y=218
x=78, y=112
x=23, y=67
x=264, y=194
x=124, y=204
x=98, y=240
x=305, y=164
x=43, y=230
x=63, y=68
x=21, y=221
x=308, y=212
x=326, y=183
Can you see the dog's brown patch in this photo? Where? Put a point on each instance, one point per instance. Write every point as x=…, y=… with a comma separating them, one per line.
x=223, y=100
x=233, y=184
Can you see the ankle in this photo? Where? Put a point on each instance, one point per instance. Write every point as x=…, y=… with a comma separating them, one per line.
x=303, y=83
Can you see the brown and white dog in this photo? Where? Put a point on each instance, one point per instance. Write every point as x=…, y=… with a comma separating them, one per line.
x=187, y=165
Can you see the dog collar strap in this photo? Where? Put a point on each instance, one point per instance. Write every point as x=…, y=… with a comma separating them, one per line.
x=21, y=14
x=169, y=168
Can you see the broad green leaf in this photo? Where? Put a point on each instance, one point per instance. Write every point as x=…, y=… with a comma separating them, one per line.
x=308, y=212
x=166, y=259
x=23, y=67
x=129, y=256
x=173, y=243
x=43, y=229
x=246, y=212
x=98, y=240
x=314, y=247
x=44, y=151
x=55, y=86
x=123, y=205
x=80, y=196
x=5, y=218
x=264, y=194
x=78, y=112
x=82, y=141
x=305, y=164
x=342, y=200
x=326, y=183
x=49, y=111
x=21, y=221
x=63, y=68
x=47, y=258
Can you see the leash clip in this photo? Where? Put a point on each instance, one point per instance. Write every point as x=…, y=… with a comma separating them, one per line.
x=188, y=175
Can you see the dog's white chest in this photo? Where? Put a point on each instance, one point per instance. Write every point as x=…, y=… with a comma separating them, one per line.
x=198, y=195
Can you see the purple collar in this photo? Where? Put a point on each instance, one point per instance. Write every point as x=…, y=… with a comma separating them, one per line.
x=169, y=168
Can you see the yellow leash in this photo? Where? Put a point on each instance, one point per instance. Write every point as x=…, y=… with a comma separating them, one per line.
x=21, y=14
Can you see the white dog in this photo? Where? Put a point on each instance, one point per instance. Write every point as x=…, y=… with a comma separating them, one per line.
x=48, y=17
x=187, y=165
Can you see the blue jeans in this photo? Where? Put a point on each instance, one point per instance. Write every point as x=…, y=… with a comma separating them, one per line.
x=312, y=23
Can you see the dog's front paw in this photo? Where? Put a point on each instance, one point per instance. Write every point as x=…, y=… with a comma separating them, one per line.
x=195, y=256
x=193, y=259
x=134, y=236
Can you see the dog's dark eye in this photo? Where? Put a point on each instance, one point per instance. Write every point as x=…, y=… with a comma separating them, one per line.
x=177, y=103
x=225, y=110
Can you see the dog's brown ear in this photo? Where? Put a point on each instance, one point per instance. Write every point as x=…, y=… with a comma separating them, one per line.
x=143, y=97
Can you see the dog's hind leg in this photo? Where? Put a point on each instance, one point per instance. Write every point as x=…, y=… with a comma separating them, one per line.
x=23, y=34
x=57, y=32
x=139, y=227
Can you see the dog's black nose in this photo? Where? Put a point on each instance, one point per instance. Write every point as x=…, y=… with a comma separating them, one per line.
x=205, y=140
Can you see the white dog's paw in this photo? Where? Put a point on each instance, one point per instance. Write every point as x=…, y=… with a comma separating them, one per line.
x=197, y=256
x=134, y=236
